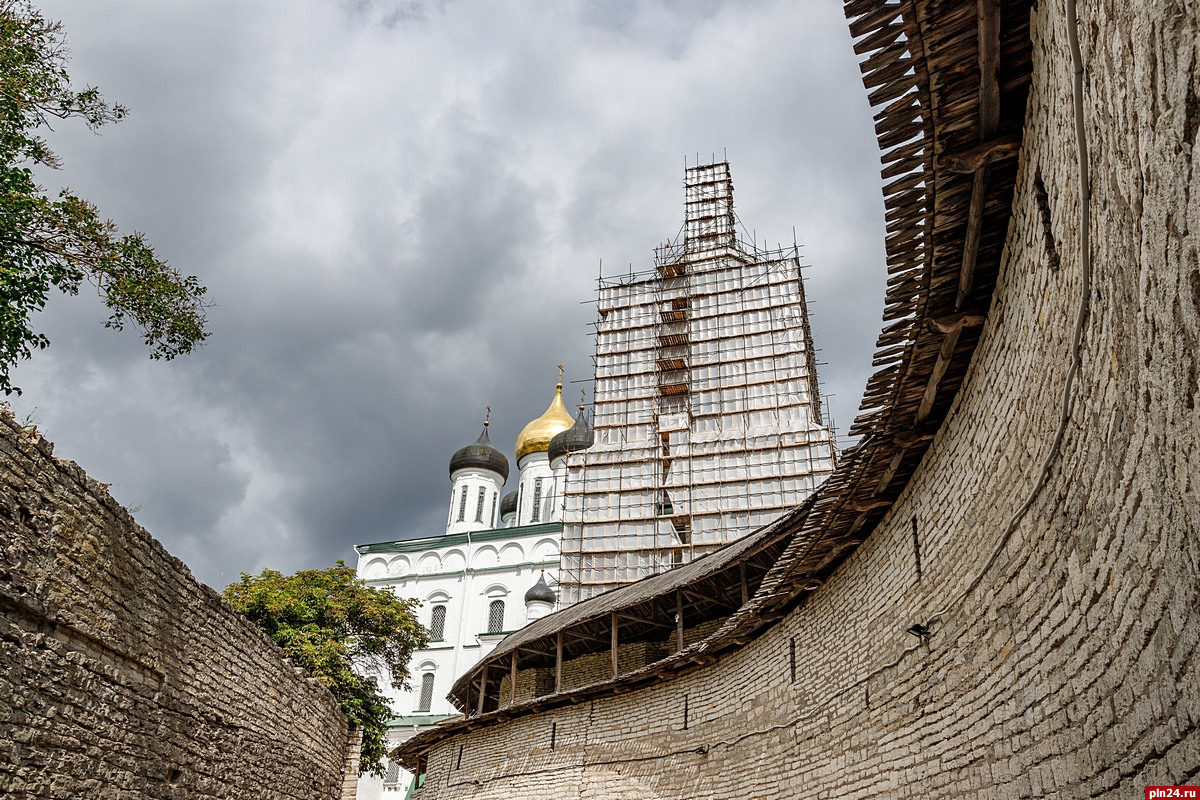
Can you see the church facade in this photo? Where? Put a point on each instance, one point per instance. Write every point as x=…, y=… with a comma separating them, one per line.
x=493, y=570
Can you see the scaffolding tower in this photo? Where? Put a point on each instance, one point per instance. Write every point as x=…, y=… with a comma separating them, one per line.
x=706, y=410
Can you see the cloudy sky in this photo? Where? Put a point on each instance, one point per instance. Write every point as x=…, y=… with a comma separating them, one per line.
x=400, y=208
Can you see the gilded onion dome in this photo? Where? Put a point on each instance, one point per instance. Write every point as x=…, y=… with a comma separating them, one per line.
x=480, y=455
x=537, y=435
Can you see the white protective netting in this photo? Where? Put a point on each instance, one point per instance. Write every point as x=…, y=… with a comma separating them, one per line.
x=707, y=417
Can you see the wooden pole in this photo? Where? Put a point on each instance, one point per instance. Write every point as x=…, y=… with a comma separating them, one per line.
x=678, y=620
x=482, y=687
x=745, y=588
x=512, y=680
x=558, y=664
x=989, y=67
x=614, y=644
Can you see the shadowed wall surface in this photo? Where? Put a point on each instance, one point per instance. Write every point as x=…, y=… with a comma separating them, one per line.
x=121, y=675
x=1069, y=670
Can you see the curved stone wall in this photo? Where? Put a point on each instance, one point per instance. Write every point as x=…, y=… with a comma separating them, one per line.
x=123, y=676
x=1070, y=670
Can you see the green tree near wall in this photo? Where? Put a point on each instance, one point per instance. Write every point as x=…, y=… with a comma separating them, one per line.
x=62, y=241
x=338, y=628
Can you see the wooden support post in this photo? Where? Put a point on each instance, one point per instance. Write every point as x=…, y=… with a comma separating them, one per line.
x=614, y=644
x=745, y=588
x=989, y=68
x=558, y=664
x=966, y=277
x=512, y=680
x=678, y=620
x=890, y=472
x=939, y=369
x=482, y=687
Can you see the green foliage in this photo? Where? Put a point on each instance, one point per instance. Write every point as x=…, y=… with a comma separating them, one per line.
x=62, y=242
x=328, y=621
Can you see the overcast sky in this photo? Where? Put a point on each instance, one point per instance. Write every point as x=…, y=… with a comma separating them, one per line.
x=400, y=209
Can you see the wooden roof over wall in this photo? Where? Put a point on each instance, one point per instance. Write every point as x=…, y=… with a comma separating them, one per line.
x=950, y=80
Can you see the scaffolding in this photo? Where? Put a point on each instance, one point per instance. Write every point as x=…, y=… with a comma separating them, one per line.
x=706, y=409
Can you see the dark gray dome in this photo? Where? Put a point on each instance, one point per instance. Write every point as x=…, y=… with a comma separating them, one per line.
x=508, y=504
x=540, y=591
x=579, y=436
x=480, y=455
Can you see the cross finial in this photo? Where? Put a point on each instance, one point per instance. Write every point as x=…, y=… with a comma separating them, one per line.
x=560, y=372
x=487, y=417
x=582, y=395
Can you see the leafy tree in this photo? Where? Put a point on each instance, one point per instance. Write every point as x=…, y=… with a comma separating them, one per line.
x=63, y=241
x=330, y=622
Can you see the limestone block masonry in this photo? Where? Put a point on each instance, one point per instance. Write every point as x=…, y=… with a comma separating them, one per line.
x=1071, y=670
x=121, y=676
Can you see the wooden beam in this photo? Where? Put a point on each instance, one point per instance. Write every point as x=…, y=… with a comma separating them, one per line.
x=745, y=586
x=890, y=472
x=529, y=649
x=966, y=277
x=971, y=159
x=613, y=650
x=512, y=680
x=955, y=322
x=576, y=634
x=482, y=687
x=939, y=369
x=989, y=68
x=558, y=663
x=914, y=436
x=870, y=503
x=645, y=621
x=678, y=620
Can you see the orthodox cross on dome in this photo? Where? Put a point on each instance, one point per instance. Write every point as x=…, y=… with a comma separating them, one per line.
x=487, y=416
x=560, y=372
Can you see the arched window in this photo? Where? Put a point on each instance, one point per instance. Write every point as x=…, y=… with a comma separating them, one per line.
x=495, y=495
x=437, y=623
x=479, y=504
x=496, y=616
x=537, y=500
x=426, y=693
x=462, y=505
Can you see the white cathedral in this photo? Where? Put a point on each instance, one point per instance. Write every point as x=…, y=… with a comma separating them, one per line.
x=493, y=570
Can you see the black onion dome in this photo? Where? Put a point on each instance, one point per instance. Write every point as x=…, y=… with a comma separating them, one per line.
x=508, y=504
x=480, y=455
x=579, y=436
x=540, y=591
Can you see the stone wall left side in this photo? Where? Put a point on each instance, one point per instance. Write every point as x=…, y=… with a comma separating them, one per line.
x=121, y=675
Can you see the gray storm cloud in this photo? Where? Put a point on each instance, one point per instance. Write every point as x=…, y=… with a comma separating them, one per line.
x=400, y=209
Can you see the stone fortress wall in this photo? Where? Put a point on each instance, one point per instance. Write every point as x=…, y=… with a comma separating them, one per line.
x=122, y=676
x=1071, y=669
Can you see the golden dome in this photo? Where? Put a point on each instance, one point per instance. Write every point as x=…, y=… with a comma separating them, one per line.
x=536, y=435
